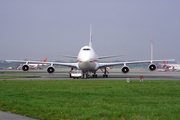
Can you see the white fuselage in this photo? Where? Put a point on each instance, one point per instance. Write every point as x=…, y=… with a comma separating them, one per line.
x=87, y=59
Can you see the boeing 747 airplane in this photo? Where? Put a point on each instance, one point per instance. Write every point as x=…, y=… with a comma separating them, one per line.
x=88, y=61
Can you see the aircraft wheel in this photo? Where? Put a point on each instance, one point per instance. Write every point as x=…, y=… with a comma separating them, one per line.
x=105, y=76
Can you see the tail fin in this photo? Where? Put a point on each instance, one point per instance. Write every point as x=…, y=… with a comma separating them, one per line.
x=90, y=40
x=45, y=60
x=164, y=62
x=30, y=58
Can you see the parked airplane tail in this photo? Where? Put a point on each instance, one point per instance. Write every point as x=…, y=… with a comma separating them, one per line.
x=45, y=60
x=164, y=62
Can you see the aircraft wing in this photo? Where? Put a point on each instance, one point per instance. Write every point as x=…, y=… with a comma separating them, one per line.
x=102, y=65
x=74, y=65
x=103, y=57
x=69, y=56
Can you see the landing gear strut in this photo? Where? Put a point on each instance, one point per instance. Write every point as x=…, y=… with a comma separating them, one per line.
x=105, y=75
x=85, y=74
x=94, y=75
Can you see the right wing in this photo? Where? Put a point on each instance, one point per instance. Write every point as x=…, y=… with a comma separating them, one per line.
x=73, y=65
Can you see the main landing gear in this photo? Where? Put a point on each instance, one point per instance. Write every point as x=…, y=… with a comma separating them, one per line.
x=85, y=75
x=105, y=75
x=94, y=75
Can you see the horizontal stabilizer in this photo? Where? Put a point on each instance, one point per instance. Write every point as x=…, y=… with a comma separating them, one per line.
x=69, y=56
x=104, y=57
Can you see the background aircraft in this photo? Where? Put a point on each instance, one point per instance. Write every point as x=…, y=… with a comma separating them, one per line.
x=172, y=67
x=33, y=66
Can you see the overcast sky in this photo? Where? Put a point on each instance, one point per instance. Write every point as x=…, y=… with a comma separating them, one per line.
x=49, y=28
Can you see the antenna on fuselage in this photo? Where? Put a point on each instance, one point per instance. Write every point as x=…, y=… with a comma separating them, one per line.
x=90, y=40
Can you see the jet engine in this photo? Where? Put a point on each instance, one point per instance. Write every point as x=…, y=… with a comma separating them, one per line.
x=25, y=67
x=152, y=67
x=50, y=69
x=125, y=69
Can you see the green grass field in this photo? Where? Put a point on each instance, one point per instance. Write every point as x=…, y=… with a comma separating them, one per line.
x=92, y=99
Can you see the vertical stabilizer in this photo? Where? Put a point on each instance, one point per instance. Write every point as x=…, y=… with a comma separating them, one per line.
x=90, y=40
x=45, y=60
x=164, y=62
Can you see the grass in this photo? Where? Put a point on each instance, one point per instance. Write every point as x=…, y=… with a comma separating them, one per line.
x=92, y=99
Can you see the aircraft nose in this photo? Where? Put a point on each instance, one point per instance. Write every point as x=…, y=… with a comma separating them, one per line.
x=85, y=59
x=85, y=64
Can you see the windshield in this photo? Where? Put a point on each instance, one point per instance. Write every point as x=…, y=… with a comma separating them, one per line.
x=78, y=71
x=86, y=49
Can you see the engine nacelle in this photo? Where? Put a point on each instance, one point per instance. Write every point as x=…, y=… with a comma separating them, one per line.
x=125, y=69
x=50, y=69
x=152, y=67
x=25, y=67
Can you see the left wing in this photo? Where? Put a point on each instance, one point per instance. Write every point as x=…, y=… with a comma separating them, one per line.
x=102, y=65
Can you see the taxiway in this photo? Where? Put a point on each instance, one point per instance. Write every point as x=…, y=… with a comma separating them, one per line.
x=114, y=74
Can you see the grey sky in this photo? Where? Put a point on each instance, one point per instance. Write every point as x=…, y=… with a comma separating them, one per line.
x=49, y=28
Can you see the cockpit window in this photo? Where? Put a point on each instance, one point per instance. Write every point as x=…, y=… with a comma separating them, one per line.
x=86, y=49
